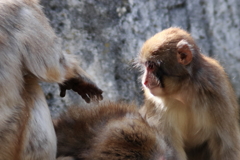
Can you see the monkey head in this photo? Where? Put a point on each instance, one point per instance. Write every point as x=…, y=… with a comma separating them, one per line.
x=128, y=138
x=166, y=59
x=109, y=131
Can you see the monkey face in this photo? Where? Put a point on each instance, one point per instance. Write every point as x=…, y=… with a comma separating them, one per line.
x=153, y=77
x=163, y=75
x=157, y=81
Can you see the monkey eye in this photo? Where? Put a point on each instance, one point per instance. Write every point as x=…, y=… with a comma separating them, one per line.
x=150, y=65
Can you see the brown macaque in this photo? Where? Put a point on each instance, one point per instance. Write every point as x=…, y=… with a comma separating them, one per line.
x=189, y=98
x=109, y=131
x=30, y=52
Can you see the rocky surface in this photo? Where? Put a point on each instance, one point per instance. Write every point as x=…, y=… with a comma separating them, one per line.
x=107, y=35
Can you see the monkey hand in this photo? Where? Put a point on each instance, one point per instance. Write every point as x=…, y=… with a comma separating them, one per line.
x=85, y=88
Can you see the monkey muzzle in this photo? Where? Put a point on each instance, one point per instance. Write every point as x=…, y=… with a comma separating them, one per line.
x=151, y=81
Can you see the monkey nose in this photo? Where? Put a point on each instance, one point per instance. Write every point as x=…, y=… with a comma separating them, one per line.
x=145, y=83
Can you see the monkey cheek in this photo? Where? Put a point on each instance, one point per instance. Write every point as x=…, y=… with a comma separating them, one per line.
x=150, y=82
x=153, y=86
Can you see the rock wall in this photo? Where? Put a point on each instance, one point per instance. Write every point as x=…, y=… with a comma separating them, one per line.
x=107, y=35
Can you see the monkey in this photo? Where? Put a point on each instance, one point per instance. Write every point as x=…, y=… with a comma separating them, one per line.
x=30, y=52
x=188, y=97
x=114, y=131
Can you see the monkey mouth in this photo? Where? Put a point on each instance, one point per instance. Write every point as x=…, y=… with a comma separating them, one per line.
x=153, y=83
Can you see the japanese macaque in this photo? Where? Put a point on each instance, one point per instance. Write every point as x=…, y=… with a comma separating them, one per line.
x=189, y=98
x=30, y=52
x=108, y=132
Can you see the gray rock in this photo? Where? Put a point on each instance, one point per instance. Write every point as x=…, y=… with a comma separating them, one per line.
x=107, y=35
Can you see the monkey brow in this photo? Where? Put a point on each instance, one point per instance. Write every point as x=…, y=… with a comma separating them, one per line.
x=153, y=63
x=154, y=55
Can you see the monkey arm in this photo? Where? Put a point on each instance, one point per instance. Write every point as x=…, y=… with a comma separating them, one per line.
x=43, y=57
x=61, y=68
x=228, y=146
x=226, y=135
x=67, y=73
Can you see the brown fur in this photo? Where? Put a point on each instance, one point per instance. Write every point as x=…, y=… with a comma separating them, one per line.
x=189, y=98
x=29, y=52
x=110, y=131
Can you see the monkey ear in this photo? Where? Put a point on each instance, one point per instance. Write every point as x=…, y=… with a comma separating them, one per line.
x=184, y=53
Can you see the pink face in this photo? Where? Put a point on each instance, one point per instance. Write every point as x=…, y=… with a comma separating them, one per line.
x=150, y=81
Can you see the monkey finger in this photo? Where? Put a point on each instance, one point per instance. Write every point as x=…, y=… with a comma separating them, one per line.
x=99, y=91
x=100, y=97
x=62, y=90
x=95, y=95
x=85, y=97
x=95, y=91
x=63, y=93
x=89, y=92
x=94, y=98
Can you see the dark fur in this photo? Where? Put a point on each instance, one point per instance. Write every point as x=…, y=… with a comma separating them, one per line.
x=108, y=132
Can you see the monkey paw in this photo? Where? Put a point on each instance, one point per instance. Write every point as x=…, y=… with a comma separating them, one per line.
x=86, y=89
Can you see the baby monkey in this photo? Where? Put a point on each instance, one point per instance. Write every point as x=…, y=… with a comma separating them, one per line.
x=189, y=98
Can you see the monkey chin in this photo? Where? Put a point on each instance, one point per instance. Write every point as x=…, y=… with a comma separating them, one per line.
x=155, y=91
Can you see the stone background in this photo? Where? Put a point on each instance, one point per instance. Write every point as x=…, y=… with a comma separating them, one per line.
x=107, y=35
